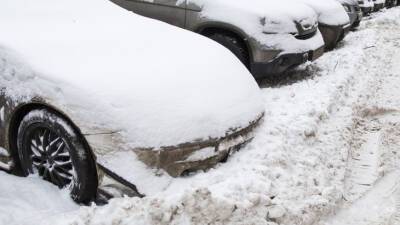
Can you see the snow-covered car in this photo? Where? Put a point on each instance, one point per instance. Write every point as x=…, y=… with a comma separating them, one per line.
x=378, y=5
x=267, y=36
x=367, y=6
x=353, y=10
x=79, y=86
x=334, y=23
x=391, y=3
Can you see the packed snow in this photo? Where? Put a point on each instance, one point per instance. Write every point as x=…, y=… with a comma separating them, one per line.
x=296, y=169
x=110, y=70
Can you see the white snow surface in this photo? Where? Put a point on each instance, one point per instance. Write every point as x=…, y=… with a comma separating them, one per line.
x=109, y=69
x=295, y=169
x=330, y=12
x=35, y=202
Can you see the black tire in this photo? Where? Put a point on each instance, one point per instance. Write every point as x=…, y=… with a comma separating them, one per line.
x=49, y=146
x=234, y=44
x=356, y=24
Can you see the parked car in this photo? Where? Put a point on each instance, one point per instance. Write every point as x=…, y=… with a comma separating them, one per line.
x=334, y=23
x=379, y=4
x=79, y=87
x=268, y=37
x=367, y=6
x=391, y=3
x=353, y=10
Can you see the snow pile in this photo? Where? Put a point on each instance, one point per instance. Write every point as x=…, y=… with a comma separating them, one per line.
x=31, y=200
x=293, y=172
x=330, y=12
x=109, y=70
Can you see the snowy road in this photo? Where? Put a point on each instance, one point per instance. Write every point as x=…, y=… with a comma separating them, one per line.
x=327, y=153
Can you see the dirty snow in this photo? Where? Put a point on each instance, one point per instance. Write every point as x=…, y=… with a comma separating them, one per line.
x=295, y=171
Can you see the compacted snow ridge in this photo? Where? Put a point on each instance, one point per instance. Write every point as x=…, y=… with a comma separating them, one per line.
x=326, y=153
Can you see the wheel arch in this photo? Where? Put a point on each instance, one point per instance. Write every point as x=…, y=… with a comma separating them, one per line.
x=209, y=28
x=16, y=118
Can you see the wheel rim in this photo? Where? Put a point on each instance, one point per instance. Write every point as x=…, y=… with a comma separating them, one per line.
x=50, y=157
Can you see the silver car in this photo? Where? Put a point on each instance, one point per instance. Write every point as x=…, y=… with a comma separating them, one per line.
x=268, y=38
x=354, y=11
x=86, y=98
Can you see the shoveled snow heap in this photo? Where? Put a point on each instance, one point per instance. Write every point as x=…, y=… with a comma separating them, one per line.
x=293, y=172
x=109, y=69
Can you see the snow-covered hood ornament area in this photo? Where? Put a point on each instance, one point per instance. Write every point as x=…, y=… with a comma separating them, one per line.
x=111, y=73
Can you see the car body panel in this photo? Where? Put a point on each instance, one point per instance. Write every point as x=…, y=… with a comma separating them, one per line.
x=333, y=20
x=261, y=24
x=121, y=91
x=367, y=6
x=169, y=11
x=353, y=10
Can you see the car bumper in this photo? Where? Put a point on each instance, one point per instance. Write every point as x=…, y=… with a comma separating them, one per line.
x=355, y=18
x=333, y=34
x=189, y=157
x=379, y=6
x=367, y=10
x=284, y=62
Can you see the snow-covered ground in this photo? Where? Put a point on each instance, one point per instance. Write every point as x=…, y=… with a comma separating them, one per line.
x=327, y=153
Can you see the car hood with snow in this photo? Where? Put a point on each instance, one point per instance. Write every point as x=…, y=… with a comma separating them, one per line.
x=330, y=12
x=258, y=15
x=267, y=22
x=110, y=71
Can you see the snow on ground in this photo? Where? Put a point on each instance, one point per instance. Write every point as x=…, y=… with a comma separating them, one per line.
x=300, y=168
x=30, y=200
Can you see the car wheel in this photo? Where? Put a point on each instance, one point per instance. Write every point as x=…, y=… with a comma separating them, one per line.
x=356, y=24
x=49, y=147
x=234, y=44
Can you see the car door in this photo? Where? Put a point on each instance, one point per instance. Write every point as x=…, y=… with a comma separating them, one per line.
x=169, y=11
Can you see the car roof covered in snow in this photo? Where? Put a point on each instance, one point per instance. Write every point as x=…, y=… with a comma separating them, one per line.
x=115, y=70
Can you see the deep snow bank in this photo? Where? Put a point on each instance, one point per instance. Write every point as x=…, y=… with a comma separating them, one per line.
x=293, y=172
x=25, y=201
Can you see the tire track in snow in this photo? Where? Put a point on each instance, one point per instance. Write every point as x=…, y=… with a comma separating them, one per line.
x=377, y=207
x=373, y=176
